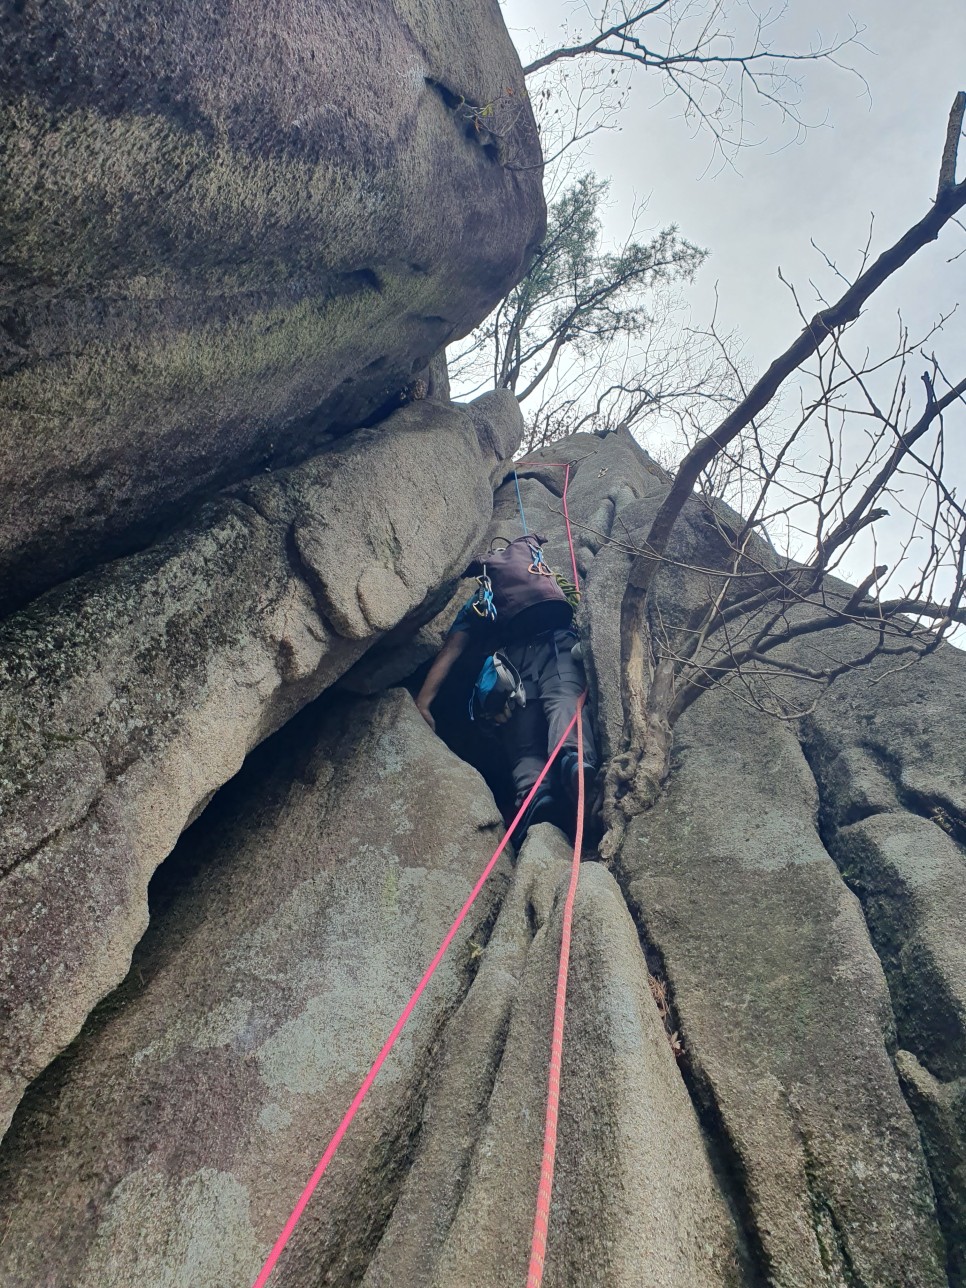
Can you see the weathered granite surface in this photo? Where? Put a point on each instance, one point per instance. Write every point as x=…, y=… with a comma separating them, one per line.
x=229, y=229
x=131, y=695
x=796, y=898
x=309, y=902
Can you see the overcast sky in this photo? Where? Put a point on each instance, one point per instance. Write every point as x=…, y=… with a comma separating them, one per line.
x=875, y=150
x=879, y=153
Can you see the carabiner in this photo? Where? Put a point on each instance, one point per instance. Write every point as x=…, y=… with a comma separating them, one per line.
x=539, y=567
x=483, y=605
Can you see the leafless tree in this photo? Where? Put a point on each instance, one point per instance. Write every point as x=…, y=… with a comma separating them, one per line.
x=594, y=338
x=757, y=603
x=712, y=54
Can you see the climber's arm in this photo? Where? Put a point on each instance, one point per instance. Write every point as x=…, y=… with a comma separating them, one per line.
x=447, y=655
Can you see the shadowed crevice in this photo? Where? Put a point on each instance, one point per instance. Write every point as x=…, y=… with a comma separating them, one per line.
x=724, y=1158
x=932, y=1033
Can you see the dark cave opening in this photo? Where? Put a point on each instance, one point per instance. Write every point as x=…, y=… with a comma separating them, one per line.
x=474, y=741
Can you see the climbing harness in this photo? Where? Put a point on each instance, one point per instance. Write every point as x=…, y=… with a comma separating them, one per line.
x=538, y=1249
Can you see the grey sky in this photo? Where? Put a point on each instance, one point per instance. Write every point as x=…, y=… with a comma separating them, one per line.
x=878, y=152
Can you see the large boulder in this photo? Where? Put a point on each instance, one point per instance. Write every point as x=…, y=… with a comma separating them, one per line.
x=180, y=1129
x=132, y=694
x=228, y=230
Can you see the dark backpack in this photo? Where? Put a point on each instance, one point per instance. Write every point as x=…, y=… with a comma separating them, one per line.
x=519, y=577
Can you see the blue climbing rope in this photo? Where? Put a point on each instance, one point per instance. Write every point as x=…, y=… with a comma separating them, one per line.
x=523, y=517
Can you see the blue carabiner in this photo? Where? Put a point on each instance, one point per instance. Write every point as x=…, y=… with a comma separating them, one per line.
x=483, y=605
x=539, y=567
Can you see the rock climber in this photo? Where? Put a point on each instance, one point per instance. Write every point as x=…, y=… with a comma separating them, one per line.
x=531, y=680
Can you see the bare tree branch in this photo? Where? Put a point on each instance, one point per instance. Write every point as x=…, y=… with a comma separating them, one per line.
x=824, y=323
x=743, y=632
x=712, y=54
x=947, y=170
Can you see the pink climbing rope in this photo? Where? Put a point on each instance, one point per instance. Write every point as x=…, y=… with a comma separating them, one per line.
x=541, y=1220
x=561, y=465
x=570, y=539
x=400, y=1024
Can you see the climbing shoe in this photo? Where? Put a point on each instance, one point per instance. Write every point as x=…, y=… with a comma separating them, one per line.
x=544, y=808
x=570, y=779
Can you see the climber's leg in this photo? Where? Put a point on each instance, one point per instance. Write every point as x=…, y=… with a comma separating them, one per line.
x=524, y=740
x=561, y=680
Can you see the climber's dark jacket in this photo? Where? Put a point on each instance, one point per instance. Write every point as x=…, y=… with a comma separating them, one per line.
x=534, y=629
x=526, y=603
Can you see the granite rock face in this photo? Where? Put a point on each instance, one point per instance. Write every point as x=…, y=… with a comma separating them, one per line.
x=783, y=1006
x=132, y=694
x=314, y=895
x=889, y=754
x=764, y=1060
x=635, y=1192
x=229, y=230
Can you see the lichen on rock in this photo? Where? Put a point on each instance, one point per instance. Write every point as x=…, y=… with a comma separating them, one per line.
x=227, y=236
x=134, y=693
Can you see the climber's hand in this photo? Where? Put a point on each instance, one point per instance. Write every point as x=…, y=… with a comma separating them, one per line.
x=427, y=715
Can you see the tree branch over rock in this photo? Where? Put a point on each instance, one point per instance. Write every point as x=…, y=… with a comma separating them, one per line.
x=762, y=602
x=712, y=53
x=588, y=339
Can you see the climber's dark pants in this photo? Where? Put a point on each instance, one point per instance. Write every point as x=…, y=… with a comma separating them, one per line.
x=553, y=680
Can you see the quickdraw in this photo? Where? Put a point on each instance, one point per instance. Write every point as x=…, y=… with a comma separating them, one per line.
x=483, y=604
x=539, y=567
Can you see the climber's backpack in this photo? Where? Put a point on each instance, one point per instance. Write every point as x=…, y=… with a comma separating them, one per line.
x=497, y=691
x=518, y=577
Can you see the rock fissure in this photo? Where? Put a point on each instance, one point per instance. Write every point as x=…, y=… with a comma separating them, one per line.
x=491, y=1061
x=935, y=807
x=900, y=854
x=238, y=241
x=350, y=1253
x=722, y=1151
x=53, y=837
x=934, y=1030
x=829, y=1234
x=940, y=810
